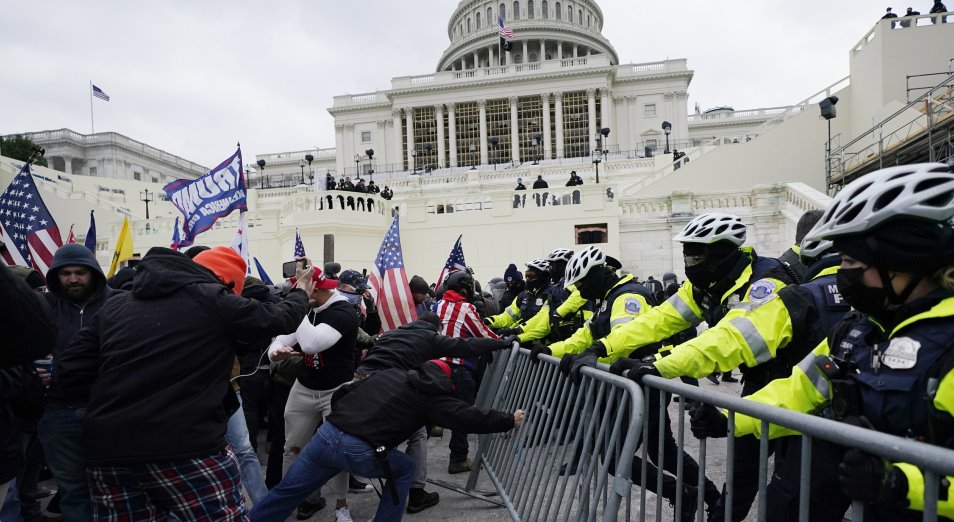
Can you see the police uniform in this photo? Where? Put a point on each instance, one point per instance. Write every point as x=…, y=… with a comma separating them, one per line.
x=904, y=386
x=526, y=305
x=567, y=309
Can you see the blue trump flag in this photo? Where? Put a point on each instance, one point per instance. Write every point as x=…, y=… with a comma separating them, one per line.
x=215, y=195
x=90, y=241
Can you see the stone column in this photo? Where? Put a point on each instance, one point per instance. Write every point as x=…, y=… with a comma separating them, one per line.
x=492, y=61
x=441, y=150
x=682, y=114
x=452, y=131
x=526, y=53
x=68, y=164
x=591, y=113
x=476, y=60
x=514, y=131
x=547, y=145
x=349, y=146
x=560, y=52
x=409, y=114
x=606, y=113
x=398, y=154
x=543, y=51
x=558, y=109
x=482, y=105
x=631, y=123
x=576, y=51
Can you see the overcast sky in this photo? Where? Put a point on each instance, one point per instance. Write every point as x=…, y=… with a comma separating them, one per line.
x=193, y=77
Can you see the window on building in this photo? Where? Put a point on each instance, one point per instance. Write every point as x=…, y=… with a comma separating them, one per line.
x=516, y=10
x=468, y=25
x=591, y=234
x=579, y=16
x=569, y=13
x=477, y=20
x=365, y=136
x=502, y=13
x=546, y=10
x=558, y=11
x=154, y=179
x=137, y=176
x=490, y=15
x=649, y=110
x=651, y=144
x=530, y=9
x=589, y=20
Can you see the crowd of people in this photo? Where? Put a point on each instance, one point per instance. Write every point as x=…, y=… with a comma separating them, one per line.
x=359, y=185
x=938, y=7
x=145, y=394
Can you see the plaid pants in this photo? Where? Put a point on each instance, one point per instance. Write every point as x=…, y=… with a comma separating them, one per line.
x=207, y=488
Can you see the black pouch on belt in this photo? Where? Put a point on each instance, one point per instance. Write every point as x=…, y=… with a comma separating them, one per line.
x=383, y=456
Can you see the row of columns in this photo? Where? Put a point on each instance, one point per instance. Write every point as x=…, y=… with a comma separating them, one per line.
x=462, y=63
x=407, y=126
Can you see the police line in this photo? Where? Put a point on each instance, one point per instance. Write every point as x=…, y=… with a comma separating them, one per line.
x=565, y=461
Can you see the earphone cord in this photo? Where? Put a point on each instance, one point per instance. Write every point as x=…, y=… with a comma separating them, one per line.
x=257, y=367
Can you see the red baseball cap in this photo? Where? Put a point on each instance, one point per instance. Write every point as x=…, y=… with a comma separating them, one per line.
x=323, y=282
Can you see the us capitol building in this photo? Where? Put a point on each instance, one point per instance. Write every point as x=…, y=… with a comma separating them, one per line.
x=451, y=145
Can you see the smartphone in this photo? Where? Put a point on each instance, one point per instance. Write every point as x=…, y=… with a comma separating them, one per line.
x=288, y=269
x=364, y=272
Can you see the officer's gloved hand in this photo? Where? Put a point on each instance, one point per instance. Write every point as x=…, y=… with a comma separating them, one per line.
x=870, y=478
x=572, y=365
x=706, y=420
x=537, y=348
x=507, y=342
x=635, y=369
x=504, y=332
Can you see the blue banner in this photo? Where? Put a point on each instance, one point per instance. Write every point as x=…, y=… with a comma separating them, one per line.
x=204, y=200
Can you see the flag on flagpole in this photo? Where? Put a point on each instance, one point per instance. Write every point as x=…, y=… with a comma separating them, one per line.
x=299, y=247
x=455, y=261
x=506, y=36
x=124, y=248
x=175, y=236
x=97, y=92
x=26, y=227
x=70, y=238
x=90, y=241
x=212, y=196
x=240, y=242
x=261, y=272
x=395, y=304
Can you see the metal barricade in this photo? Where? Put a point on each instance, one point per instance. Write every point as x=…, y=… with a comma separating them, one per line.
x=572, y=457
x=935, y=462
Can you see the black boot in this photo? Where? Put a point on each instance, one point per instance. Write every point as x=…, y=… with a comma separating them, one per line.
x=689, y=496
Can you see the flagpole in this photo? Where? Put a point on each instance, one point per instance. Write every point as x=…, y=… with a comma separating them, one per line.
x=92, y=127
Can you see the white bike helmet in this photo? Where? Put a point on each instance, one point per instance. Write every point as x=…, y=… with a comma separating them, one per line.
x=923, y=190
x=711, y=227
x=539, y=264
x=813, y=249
x=560, y=254
x=581, y=264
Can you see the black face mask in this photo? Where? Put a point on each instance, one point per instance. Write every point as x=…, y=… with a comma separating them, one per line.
x=705, y=275
x=863, y=298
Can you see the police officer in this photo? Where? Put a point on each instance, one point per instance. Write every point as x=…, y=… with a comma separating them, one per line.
x=528, y=302
x=565, y=311
x=722, y=275
x=778, y=334
x=888, y=364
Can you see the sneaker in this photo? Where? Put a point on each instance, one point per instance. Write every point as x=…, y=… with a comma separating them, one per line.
x=713, y=378
x=356, y=486
x=307, y=509
x=458, y=466
x=419, y=500
x=343, y=515
x=727, y=377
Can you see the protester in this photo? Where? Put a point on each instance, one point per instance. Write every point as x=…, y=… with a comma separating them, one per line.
x=154, y=367
x=421, y=293
x=369, y=419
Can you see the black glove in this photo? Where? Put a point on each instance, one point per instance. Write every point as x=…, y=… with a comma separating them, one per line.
x=506, y=332
x=507, y=342
x=635, y=369
x=870, y=478
x=706, y=420
x=536, y=349
x=622, y=365
x=571, y=365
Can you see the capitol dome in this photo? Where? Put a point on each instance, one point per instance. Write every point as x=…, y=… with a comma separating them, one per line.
x=544, y=30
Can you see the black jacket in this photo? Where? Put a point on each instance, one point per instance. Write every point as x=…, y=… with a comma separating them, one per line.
x=155, y=363
x=255, y=351
x=386, y=408
x=417, y=342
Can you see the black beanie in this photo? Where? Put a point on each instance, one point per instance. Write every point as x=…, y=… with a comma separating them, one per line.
x=902, y=246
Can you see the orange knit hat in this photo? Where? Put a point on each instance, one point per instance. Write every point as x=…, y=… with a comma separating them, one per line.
x=227, y=265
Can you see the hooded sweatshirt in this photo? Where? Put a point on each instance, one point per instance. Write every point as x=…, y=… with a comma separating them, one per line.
x=386, y=408
x=155, y=363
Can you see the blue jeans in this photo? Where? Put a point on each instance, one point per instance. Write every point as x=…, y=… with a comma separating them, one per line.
x=10, y=502
x=329, y=452
x=61, y=432
x=238, y=437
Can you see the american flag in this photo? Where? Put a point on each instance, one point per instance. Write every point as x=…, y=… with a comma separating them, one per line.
x=505, y=32
x=460, y=319
x=97, y=92
x=71, y=238
x=395, y=304
x=299, y=247
x=28, y=230
x=454, y=262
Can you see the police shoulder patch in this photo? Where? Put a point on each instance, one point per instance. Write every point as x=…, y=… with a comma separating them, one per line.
x=762, y=290
x=632, y=305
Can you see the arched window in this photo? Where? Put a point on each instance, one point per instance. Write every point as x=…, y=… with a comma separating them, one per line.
x=589, y=20
x=468, y=25
x=502, y=13
x=516, y=10
x=530, y=9
x=478, y=21
x=546, y=10
x=558, y=11
x=569, y=13
x=580, y=16
x=490, y=15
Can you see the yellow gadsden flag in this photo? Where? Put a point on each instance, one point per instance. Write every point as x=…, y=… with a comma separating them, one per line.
x=124, y=248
